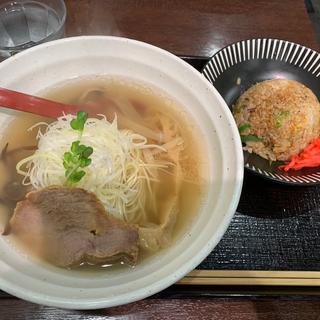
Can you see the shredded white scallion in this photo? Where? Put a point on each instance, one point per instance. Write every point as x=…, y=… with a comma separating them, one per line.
x=120, y=175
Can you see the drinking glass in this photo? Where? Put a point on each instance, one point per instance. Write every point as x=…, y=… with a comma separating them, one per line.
x=26, y=23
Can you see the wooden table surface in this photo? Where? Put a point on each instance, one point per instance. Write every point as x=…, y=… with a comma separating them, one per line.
x=187, y=28
x=192, y=27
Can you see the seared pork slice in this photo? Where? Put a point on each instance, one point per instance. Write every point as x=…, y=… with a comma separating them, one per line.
x=69, y=226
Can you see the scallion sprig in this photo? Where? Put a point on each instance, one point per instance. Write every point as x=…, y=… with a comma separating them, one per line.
x=79, y=121
x=79, y=155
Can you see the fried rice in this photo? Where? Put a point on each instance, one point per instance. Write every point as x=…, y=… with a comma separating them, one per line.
x=277, y=118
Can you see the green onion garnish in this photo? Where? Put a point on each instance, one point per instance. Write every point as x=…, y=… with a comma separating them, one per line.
x=244, y=127
x=250, y=138
x=279, y=116
x=78, y=156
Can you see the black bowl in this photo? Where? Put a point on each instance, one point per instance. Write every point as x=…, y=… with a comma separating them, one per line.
x=235, y=68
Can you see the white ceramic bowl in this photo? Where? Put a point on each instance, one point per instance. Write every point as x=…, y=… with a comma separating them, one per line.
x=48, y=64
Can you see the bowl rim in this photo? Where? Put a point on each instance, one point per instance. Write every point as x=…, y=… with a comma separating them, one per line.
x=180, y=272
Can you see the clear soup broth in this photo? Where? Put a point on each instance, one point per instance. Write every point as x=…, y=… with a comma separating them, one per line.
x=136, y=105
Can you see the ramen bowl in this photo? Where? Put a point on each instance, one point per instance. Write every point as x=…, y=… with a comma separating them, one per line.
x=48, y=64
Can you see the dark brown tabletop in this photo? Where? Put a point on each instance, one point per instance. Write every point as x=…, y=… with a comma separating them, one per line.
x=192, y=27
x=196, y=29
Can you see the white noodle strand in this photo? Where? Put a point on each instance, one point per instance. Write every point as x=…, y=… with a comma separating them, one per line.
x=120, y=175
